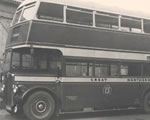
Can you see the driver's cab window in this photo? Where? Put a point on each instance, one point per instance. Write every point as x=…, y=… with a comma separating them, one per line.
x=54, y=63
x=27, y=61
x=16, y=60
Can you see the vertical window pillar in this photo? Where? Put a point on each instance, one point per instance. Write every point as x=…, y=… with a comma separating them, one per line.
x=94, y=24
x=119, y=22
x=64, y=12
x=142, y=25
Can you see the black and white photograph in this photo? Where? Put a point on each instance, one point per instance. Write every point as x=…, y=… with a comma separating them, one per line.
x=74, y=60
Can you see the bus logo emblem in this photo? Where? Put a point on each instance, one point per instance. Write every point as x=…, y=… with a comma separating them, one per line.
x=107, y=90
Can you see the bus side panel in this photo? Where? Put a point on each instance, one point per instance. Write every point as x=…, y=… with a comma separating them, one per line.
x=60, y=34
x=99, y=95
x=77, y=96
x=125, y=94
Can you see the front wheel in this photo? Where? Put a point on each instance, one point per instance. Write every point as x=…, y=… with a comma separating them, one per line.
x=147, y=103
x=39, y=106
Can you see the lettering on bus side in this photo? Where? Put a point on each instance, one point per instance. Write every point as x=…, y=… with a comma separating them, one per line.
x=138, y=79
x=98, y=79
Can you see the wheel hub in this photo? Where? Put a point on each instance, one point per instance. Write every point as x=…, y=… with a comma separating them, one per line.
x=40, y=106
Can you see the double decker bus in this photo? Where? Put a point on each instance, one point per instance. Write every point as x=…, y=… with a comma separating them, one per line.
x=71, y=57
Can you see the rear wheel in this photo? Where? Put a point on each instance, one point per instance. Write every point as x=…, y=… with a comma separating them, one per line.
x=147, y=103
x=39, y=106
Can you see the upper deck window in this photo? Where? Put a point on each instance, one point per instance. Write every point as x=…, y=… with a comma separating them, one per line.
x=82, y=16
x=106, y=20
x=17, y=16
x=24, y=13
x=50, y=11
x=146, y=26
x=130, y=24
x=27, y=13
x=79, y=16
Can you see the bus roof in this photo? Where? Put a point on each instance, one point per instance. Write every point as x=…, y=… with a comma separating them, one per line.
x=93, y=6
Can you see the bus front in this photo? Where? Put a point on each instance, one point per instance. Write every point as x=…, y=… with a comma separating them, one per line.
x=17, y=35
x=27, y=69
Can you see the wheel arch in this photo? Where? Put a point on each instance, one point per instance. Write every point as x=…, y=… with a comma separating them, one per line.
x=30, y=91
x=145, y=92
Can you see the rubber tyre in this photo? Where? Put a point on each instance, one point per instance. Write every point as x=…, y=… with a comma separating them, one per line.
x=147, y=103
x=39, y=106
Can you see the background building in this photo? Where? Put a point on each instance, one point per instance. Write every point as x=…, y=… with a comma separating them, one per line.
x=7, y=10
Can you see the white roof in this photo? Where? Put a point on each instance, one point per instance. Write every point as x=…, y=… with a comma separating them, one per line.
x=94, y=6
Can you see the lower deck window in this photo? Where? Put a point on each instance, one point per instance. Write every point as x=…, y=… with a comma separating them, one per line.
x=75, y=69
x=135, y=69
x=146, y=69
x=114, y=70
x=124, y=70
x=101, y=70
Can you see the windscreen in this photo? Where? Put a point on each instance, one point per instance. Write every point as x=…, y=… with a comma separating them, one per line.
x=36, y=61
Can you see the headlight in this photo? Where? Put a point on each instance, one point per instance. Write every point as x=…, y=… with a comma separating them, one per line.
x=2, y=88
x=15, y=88
x=2, y=78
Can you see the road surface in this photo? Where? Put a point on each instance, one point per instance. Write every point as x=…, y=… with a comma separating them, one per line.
x=117, y=115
